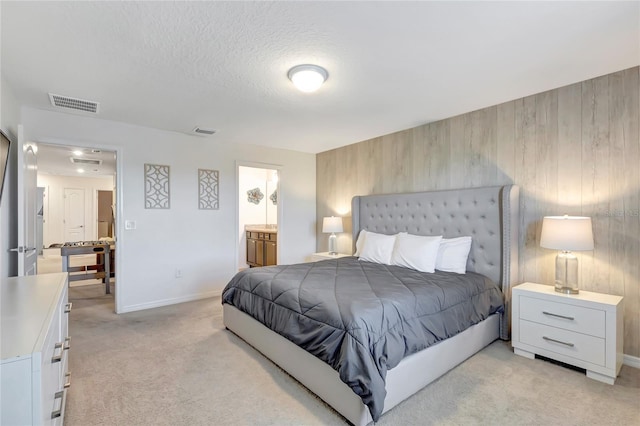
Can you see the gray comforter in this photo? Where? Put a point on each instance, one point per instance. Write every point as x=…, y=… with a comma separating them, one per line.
x=362, y=318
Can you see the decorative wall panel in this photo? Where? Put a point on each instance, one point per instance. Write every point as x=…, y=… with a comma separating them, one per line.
x=208, y=181
x=156, y=186
x=573, y=150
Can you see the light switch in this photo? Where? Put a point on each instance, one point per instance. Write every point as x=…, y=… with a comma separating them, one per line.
x=129, y=224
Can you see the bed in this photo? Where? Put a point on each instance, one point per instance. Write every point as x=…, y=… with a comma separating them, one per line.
x=489, y=215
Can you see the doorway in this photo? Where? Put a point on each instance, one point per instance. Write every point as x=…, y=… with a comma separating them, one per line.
x=78, y=186
x=259, y=207
x=105, y=214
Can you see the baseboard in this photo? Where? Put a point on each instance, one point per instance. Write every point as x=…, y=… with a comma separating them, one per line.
x=167, y=302
x=631, y=361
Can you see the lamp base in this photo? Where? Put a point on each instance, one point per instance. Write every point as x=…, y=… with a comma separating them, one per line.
x=566, y=273
x=333, y=244
x=567, y=290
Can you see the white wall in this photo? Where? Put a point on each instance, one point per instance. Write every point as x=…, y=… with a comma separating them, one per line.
x=202, y=243
x=54, y=204
x=9, y=120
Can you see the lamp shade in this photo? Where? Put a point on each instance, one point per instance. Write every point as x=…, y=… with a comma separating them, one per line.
x=331, y=224
x=567, y=233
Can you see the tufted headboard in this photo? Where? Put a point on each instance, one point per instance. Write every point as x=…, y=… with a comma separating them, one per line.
x=488, y=214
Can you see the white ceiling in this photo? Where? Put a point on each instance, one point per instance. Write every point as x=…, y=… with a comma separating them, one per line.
x=56, y=160
x=223, y=65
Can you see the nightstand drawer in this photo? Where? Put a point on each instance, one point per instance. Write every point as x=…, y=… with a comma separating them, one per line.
x=579, y=346
x=561, y=315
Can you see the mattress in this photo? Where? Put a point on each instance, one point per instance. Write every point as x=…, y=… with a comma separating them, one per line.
x=362, y=318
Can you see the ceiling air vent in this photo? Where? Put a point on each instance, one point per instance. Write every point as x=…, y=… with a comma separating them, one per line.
x=76, y=160
x=74, y=103
x=202, y=131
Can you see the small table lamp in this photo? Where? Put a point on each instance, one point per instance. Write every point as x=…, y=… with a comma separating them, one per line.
x=566, y=233
x=332, y=225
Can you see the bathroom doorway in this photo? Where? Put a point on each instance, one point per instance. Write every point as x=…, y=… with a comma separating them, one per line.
x=258, y=210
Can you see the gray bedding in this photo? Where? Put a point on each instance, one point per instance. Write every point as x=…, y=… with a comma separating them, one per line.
x=362, y=318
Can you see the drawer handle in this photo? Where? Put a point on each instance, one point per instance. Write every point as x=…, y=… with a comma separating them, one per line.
x=57, y=358
x=68, y=307
x=68, y=382
x=63, y=346
x=559, y=316
x=549, y=339
x=62, y=396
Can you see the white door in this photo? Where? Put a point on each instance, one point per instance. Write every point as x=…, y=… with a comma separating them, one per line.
x=27, y=193
x=74, y=215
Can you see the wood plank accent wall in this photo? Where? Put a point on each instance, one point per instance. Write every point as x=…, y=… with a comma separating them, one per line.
x=573, y=150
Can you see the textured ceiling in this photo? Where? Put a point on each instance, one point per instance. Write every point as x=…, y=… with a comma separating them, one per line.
x=223, y=65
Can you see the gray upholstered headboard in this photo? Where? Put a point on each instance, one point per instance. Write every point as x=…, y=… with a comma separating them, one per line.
x=488, y=214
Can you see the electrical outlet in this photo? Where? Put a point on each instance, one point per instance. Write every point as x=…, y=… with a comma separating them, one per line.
x=178, y=273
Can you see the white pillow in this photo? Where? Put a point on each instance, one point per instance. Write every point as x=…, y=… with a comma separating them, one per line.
x=452, y=255
x=378, y=248
x=416, y=252
x=360, y=241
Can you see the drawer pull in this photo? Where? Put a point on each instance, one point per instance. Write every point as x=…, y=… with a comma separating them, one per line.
x=68, y=382
x=549, y=339
x=558, y=316
x=57, y=358
x=62, y=396
x=67, y=307
x=63, y=346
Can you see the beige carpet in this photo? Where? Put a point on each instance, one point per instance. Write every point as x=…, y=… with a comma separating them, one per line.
x=177, y=365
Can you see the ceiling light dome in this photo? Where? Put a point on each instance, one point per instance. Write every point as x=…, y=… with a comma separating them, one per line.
x=307, y=78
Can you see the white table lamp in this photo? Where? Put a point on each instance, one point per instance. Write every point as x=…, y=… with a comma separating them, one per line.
x=567, y=233
x=332, y=225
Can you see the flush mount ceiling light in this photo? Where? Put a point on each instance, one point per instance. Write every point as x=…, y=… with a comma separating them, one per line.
x=307, y=78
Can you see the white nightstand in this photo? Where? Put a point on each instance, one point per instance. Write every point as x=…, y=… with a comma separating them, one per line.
x=584, y=330
x=325, y=255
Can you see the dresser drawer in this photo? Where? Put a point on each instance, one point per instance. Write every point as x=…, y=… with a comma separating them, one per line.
x=51, y=368
x=569, y=317
x=576, y=345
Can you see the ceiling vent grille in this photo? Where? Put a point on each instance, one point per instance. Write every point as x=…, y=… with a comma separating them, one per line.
x=201, y=131
x=76, y=160
x=74, y=103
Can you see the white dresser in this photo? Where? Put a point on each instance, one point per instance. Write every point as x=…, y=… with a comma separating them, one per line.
x=35, y=349
x=584, y=330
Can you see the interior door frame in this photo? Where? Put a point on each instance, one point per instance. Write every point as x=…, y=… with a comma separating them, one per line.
x=27, y=255
x=257, y=165
x=120, y=234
